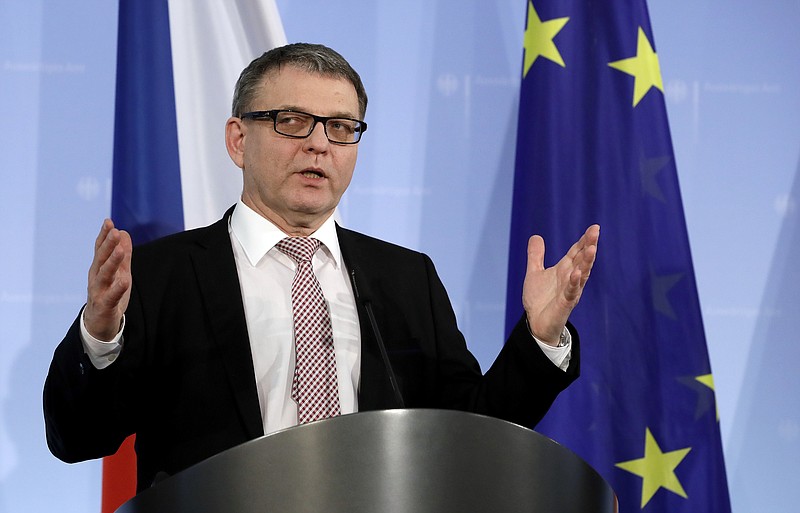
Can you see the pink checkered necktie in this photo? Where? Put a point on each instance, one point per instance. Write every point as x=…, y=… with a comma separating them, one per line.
x=314, y=386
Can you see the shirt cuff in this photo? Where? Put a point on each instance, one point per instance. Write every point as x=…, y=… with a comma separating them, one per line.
x=101, y=354
x=560, y=354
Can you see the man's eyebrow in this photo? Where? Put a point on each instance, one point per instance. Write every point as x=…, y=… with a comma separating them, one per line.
x=338, y=114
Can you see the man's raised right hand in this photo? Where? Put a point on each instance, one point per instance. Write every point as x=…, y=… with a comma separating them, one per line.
x=110, y=282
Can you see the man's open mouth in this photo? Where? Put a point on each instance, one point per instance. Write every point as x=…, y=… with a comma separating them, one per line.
x=313, y=173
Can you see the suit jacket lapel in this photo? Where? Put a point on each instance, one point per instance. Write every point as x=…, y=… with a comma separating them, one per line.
x=219, y=284
x=374, y=391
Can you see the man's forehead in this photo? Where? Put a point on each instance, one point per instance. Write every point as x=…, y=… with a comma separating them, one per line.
x=292, y=75
x=290, y=84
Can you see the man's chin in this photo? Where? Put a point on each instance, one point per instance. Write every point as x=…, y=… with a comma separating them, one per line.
x=310, y=214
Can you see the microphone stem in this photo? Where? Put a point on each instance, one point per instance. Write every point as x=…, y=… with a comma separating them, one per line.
x=384, y=354
x=365, y=301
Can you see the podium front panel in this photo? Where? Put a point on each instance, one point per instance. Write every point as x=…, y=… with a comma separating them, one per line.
x=397, y=461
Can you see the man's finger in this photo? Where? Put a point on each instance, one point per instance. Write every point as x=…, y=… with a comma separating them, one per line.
x=592, y=235
x=102, y=253
x=108, y=269
x=106, y=227
x=588, y=254
x=126, y=244
x=536, y=253
x=105, y=271
x=117, y=290
x=103, y=250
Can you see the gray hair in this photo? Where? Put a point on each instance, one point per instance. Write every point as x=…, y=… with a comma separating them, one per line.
x=313, y=58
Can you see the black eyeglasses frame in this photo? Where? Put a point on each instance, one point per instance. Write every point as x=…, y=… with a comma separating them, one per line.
x=261, y=115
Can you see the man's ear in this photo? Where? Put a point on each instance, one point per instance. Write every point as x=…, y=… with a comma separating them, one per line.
x=234, y=140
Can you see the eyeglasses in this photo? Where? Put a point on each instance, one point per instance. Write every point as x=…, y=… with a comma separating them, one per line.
x=293, y=123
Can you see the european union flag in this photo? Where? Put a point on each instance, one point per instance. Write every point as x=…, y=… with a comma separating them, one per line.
x=594, y=147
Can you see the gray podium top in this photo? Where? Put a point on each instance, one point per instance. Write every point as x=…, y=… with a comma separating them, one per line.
x=393, y=461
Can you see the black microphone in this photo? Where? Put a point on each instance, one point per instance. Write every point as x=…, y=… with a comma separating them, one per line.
x=366, y=300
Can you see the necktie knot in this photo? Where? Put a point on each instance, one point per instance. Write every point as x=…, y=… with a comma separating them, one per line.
x=299, y=249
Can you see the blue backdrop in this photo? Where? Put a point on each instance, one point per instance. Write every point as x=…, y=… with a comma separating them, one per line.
x=731, y=83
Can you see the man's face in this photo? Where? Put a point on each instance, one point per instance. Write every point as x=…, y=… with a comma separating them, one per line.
x=295, y=183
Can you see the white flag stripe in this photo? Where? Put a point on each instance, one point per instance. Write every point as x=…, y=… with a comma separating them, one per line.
x=212, y=41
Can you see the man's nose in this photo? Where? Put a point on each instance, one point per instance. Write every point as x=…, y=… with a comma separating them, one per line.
x=317, y=140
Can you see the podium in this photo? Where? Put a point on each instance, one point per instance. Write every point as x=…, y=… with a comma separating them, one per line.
x=393, y=461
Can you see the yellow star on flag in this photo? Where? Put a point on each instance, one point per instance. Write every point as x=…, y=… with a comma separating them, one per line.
x=538, y=39
x=708, y=380
x=644, y=67
x=656, y=468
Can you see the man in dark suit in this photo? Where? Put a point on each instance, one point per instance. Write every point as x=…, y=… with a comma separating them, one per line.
x=190, y=344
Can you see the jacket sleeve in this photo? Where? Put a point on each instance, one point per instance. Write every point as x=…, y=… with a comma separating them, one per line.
x=521, y=384
x=87, y=411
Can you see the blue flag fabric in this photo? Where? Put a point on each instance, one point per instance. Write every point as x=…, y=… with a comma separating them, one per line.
x=146, y=187
x=594, y=147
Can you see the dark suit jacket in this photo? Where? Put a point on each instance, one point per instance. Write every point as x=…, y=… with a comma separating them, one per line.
x=184, y=382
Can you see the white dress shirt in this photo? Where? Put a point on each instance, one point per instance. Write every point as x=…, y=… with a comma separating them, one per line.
x=265, y=277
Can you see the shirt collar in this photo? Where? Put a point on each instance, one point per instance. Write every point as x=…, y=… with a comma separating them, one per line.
x=258, y=235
